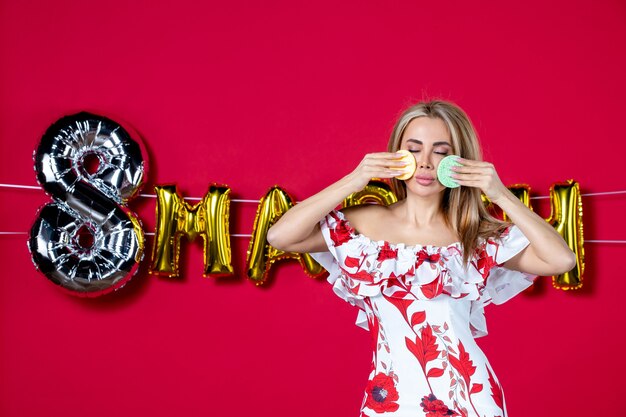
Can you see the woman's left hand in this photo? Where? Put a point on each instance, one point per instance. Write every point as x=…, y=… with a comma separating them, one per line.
x=479, y=174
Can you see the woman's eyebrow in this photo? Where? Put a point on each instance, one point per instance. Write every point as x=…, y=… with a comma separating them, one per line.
x=419, y=142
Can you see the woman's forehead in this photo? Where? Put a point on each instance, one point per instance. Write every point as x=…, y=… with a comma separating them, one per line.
x=426, y=130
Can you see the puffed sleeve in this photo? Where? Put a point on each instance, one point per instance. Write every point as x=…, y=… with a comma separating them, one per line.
x=337, y=232
x=503, y=284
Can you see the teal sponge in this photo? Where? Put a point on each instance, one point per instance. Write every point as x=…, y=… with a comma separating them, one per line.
x=444, y=170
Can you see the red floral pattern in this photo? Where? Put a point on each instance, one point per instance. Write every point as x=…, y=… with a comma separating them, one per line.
x=484, y=262
x=496, y=390
x=387, y=253
x=423, y=256
x=382, y=394
x=342, y=233
x=463, y=364
x=424, y=348
x=422, y=305
x=436, y=408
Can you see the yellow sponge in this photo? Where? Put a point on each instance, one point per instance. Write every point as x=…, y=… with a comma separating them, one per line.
x=409, y=170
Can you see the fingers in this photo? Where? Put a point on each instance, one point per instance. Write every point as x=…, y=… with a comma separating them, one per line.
x=466, y=177
x=385, y=171
x=471, y=170
x=382, y=170
x=478, y=174
x=384, y=159
x=384, y=155
x=382, y=165
x=469, y=163
x=469, y=166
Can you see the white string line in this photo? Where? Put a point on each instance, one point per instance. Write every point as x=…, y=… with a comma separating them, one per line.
x=27, y=187
x=35, y=187
x=243, y=235
x=235, y=200
x=146, y=233
x=586, y=194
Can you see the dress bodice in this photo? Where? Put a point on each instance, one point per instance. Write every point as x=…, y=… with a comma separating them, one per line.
x=424, y=307
x=360, y=267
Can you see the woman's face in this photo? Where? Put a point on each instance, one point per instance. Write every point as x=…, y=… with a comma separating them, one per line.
x=429, y=141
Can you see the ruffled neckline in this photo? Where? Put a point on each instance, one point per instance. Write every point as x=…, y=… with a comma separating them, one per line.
x=360, y=267
x=401, y=246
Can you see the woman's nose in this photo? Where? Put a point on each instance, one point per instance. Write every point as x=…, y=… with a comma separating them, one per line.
x=424, y=162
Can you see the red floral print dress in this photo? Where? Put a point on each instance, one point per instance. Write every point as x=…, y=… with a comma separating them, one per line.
x=424, y=308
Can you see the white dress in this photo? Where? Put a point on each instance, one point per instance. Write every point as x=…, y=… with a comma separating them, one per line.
x=424, y=309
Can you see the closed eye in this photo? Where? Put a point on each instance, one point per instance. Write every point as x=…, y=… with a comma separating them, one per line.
x=438, y=153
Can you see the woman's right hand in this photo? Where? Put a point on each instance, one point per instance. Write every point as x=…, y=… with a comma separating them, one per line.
x=376, y=165
x=298, y=229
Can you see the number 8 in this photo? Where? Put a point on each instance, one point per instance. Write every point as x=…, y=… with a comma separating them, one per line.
x=87, y=240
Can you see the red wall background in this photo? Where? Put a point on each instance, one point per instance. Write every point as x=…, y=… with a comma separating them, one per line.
x=254, y=94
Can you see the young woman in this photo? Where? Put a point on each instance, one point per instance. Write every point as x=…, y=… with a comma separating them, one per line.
x=421, y=270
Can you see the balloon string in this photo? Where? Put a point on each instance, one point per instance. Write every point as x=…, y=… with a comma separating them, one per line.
x=147, y=234
x=27, y=187
x=235, y=200
x=35, y=187
x=586, y=194
x=243, y=235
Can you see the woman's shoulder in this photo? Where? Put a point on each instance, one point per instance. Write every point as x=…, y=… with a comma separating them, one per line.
x=365, y=210
x=366, y=214
x=384, y=224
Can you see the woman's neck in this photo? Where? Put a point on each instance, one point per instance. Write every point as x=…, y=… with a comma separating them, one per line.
x=421, y=211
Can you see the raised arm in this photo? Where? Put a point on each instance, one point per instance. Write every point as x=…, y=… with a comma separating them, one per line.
x=298, y=229
x=547, y=254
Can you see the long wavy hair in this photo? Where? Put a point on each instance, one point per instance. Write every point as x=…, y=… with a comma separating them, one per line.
x=463, y=207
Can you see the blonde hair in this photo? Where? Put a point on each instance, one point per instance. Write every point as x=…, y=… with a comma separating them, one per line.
x=463, y=207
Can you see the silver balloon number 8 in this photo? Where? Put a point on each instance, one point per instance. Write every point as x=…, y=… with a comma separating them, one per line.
x=87, y=241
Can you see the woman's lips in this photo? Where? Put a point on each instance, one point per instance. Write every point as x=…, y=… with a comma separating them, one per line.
x=423, y=180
